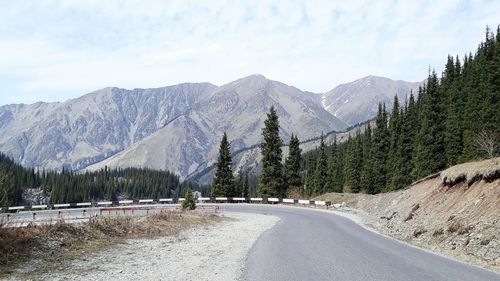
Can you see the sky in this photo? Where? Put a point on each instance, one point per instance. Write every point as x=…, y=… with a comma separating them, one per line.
x=57, y=50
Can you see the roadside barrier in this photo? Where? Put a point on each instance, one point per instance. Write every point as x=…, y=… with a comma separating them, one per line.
x=167, y=201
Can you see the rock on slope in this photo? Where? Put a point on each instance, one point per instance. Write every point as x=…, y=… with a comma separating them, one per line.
x=358, y=101
x=191, y=142
x=88, y=129
x=459, y=220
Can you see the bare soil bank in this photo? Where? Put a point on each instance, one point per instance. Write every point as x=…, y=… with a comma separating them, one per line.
x=456, y=213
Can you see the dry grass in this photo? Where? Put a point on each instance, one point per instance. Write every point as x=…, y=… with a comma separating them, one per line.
x=471, y=172
x=62, y=240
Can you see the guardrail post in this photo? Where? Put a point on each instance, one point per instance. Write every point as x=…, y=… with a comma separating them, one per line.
x=59, y=215
x=84, y=212
x=8, y=216
x=34, y=215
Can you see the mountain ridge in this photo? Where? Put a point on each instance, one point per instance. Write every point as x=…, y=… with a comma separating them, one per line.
x=99, y=128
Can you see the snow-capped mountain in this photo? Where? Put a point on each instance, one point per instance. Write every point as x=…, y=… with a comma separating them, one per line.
x=358, y=101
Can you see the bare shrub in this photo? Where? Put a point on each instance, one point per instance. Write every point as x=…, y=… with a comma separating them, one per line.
x=487, y=142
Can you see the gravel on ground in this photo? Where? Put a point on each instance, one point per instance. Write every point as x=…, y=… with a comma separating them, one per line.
x=215, y=252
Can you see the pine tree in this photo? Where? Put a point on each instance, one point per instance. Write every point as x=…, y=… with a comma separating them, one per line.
x=353, y=164
x=238, y=185
x=430, y=153
x=223, y=182
x=450, y=85
x=366, y=170
x=246, y=187
x=9, y=194
x=292, y=163
x=379, y=153
x=188, y=202
x=271, y=181
x=320, y=174
x=393, y=161
x=335, y=169
x=470, y=84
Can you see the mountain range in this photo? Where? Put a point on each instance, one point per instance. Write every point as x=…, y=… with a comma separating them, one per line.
x=179, y=127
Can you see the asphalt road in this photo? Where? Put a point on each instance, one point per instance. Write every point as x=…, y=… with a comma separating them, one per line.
x=315, y=245
x=308, y=244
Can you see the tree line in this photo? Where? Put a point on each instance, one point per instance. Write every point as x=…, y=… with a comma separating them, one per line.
x=276, y=178
x=451, y=120
x=105, y=184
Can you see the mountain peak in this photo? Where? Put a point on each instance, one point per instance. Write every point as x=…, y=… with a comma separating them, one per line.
x=358, y=101
x=253, y=78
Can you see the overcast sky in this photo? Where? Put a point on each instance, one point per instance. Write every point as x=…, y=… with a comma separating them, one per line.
x=56, y=50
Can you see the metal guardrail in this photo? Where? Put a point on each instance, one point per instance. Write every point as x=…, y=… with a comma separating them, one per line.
x=261, y=200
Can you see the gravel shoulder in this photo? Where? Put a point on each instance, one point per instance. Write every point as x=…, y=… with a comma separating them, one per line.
x=214, y=252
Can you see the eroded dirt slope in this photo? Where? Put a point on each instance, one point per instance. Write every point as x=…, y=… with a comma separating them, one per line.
x=459, y=218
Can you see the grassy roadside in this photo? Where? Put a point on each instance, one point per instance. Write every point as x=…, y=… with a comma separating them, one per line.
x=44, y=247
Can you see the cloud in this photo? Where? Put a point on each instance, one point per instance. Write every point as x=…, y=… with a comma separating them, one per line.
x=52, y=50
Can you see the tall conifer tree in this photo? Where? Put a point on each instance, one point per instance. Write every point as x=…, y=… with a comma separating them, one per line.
x=380, y=152
x=271, y=181
x=320, y=175
x=430, y=153
x=450, y=85
x=395, y=134
x=292, y=163
x=335, y=181
x=353, y=163
x=367, y=168
x=223, y=182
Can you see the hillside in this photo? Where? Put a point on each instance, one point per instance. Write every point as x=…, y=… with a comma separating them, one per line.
x=82, y=131
x=459, y=219
x=190, y=142
x=357, y=101
x=144, y=127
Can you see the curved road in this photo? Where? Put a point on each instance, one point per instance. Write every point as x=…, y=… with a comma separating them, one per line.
x=309, y=244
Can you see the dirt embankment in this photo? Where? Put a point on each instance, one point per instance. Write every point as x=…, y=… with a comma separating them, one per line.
x=35, y=249
x=456, y=212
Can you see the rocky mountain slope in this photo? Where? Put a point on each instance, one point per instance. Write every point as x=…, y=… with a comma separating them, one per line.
x=90, y=128
x=357, y=101
x=454, y=212
x=191, y=142
x=177, y=127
